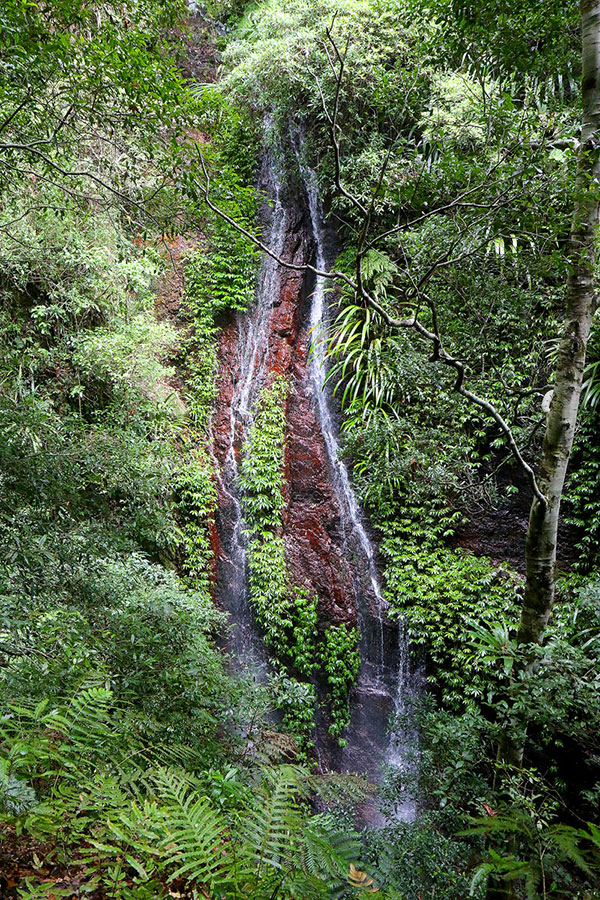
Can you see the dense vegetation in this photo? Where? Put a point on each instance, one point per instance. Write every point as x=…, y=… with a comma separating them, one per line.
x=446, y=141
x=130, y=760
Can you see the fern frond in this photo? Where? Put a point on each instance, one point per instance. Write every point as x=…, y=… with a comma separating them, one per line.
x=273, y=826
x=330, y=854
x=194, y=839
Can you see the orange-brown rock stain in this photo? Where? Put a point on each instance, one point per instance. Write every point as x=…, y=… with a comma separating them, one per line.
x=312, y=523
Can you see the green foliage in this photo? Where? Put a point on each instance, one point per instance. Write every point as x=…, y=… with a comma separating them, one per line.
x=120, y=735
x=583, y=489
x=76, y=83
x=457, y=754
x=234, y=138
x=279, y=51
x=288, y=612
x=478, y=827
x=133, y=818
x=341, y=662
x=263, y=460
x=305, y=630
x=529, y=38
x=228, y=11
x=220, y=279
x=77, y=306
x=418, y=860
x=547, y=852
x=196, y=499
x=297, y=701
x=563, y=703
x=111, y=617
x=261, y=482
x=591, y=383
x=442, y=594
x=88, y=416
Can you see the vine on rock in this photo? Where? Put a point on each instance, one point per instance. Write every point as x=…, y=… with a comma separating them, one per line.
x=287, y=612
x=218, y=278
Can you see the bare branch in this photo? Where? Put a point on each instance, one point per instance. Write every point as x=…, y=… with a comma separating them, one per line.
x=4, y=125
x=439, y=354
x=333, y=122
x=333, y=274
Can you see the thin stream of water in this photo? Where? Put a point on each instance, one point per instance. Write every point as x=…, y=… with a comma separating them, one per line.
x=379, y=690
x=318, y=371
x=245, y=645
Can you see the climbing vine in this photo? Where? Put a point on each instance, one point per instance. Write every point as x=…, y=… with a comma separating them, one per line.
x=341, y=662
x=196, y=502
x=443, y=594
x=288, y=612
x=219, y=277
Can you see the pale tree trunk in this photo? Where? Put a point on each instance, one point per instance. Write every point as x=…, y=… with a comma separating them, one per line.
x=581, y=303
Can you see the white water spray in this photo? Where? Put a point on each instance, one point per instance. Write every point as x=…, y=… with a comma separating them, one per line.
x=318, y=371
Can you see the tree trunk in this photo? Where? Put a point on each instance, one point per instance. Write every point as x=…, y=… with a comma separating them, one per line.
x=581, y=303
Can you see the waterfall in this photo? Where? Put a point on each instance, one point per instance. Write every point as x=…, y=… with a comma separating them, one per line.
x=244, y=644
x=385, y=684
x=318, y=371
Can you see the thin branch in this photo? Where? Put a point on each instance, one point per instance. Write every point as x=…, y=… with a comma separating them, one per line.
x=457, y=203
x=333, y=274
x=15, y=112
x=440, y=354
x=333, y=122
x=80, y=174
x=45, y=141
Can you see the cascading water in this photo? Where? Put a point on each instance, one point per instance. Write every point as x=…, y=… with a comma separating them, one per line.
x=244, y=644
x=318, y=316
x=384, y=685
x=257, y=347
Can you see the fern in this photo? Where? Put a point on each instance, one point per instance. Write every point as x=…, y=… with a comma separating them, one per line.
x=539, y=846
x=329, y=853
x=105, y=807
x=272, y=827
x=194, y=840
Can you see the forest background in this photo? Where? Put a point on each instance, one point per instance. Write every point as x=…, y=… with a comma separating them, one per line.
x=133, y=763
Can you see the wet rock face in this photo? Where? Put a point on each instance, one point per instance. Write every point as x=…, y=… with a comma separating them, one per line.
x=312, y=523
x=500, y=532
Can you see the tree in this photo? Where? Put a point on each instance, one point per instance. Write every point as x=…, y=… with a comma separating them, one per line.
x=488, y=192
x=91, y=100
x=581, y=304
